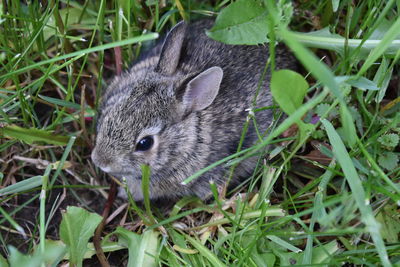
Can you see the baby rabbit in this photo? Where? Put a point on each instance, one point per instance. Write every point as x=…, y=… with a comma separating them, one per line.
x=181, y=108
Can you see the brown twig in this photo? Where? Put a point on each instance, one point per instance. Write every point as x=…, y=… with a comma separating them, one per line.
x=118, y=59
x=99, y=230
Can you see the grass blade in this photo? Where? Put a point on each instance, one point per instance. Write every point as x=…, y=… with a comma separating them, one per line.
x=142, y=38
x=356, y=186
x=205, y=252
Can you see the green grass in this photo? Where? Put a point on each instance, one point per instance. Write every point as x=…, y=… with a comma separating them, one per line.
x=325, y=197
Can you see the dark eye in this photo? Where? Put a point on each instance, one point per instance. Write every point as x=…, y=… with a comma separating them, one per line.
x=145, y=143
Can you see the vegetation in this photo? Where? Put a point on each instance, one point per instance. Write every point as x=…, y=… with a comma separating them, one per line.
x=327, y=193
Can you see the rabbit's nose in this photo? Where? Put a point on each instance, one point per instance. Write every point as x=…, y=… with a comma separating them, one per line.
x=101, y=160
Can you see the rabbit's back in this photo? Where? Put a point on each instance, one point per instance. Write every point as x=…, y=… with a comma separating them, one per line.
x=243, y=66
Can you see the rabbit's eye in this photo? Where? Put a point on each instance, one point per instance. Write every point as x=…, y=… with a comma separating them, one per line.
x=145, y=143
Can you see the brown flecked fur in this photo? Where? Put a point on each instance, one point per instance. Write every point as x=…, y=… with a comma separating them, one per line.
x=148, y=100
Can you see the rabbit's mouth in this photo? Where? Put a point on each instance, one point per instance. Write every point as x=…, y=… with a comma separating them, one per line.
x=125, y=175
x=121, y=175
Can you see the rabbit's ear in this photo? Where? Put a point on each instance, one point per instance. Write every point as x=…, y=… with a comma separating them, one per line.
x=201, y=91
x=171, y=49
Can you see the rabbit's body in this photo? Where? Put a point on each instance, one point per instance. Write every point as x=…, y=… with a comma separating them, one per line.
x=190, y=97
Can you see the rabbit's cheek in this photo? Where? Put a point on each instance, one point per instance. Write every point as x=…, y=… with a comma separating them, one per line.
x=135, y=188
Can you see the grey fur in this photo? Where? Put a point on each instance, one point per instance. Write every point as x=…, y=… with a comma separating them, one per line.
x=152, y=99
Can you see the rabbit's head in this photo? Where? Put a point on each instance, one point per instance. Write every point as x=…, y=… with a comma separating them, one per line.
x=149, y=116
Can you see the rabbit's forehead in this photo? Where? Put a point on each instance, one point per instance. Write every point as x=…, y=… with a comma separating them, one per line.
x=134, y=115
x=126, y=128
x=137, y=98
x=135, y=107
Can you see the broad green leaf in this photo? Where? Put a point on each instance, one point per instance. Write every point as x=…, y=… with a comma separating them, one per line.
x=55, y=250
x=3, y=261
x=143, y=249
x=53, y=255
x=390, y=220
x=242, y=22
x=321, y=255
x=320, y=70
x=77, y=227
x=263, y=259
x=18, y=259
x=247, y=241
x=32, y=135
x=389, y=161
x=389, y=140
x=288, y=89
